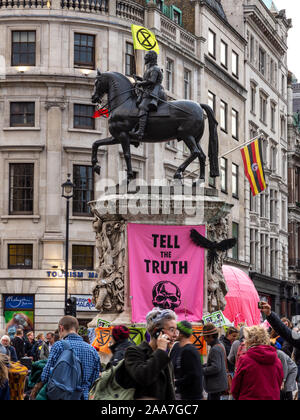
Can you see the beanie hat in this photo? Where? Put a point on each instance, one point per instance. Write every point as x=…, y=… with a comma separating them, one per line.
x=185, y=328
x=120, y=332
x=209, y=329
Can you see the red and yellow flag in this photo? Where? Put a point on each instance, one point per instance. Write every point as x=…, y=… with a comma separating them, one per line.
x=254, y=169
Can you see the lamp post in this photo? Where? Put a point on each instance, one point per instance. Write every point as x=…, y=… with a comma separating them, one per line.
x=67, y=193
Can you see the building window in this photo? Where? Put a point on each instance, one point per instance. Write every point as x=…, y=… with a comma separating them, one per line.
x=253, y=203
x=20, y=256
x=22, y=114
x=263, y=109
x=235, y=64
x=212, y=101
x=170, y=75
x=262, y=61
x=224, y=175
x=212, y=43
x=253, y=248
x=23, y=48
x=235, y=124
x=84, y=51
x=83, y=179
x=282, y=85
x=272, y=71
x=83, y=117
x=274, y=257
x=235, y=234
x=235, y=180
x=273, y=158
x=253, y=98
x=21, y=177
x=273, y=116
x=223, y=116
x=251, y=49
x=282, y=128
x=273, y=206
x=83, y=257
x=224, y=54
x=176, y=15
x=130, y=68
x=187, y=84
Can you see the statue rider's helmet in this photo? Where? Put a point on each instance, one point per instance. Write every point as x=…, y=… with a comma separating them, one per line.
x=151, y=57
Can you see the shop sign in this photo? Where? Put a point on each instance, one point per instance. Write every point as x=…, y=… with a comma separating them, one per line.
x=84, y=303
x=16, y=302
x=72, y=274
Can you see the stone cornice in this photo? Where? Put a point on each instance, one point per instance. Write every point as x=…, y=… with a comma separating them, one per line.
x=265, y=28
x=218, y=72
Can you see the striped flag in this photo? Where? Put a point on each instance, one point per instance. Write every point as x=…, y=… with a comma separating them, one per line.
x=254, y=169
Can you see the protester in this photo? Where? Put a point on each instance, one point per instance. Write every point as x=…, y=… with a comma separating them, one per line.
x=215, y=372
x=119, y=344
x=290, y=371
x=285, y=332
x=287, y=348
x=18, y=344
x=9, y=350
x=46, y=346
x=237, y=349
x=4, y=384
x=29, y=343
x=227, y=340
x=36, y=349
x=187, y=365
x=87, y=355
x=149, y=364
x=259, y=374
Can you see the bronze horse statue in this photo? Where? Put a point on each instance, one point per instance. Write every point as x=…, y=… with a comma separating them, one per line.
x=182, y=120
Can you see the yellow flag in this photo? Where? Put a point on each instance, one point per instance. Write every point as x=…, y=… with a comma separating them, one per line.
x=143, y=39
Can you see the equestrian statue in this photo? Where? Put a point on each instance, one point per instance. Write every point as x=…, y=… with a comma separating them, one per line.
x=140, y=113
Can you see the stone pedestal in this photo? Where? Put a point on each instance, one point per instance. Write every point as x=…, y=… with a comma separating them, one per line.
x=169, y=205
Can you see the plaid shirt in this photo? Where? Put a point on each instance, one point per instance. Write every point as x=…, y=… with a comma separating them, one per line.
x=88, y=356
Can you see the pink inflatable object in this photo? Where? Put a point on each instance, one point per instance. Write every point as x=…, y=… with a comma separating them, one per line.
x=242, y=298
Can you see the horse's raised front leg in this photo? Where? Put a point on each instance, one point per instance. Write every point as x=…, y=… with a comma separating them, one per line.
x=125, y=142
x=109, y=141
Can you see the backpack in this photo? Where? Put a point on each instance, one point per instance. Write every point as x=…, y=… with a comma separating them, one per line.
x=66, y=377
x=107, y=388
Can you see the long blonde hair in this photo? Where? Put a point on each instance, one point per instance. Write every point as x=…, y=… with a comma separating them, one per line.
x=3, y=369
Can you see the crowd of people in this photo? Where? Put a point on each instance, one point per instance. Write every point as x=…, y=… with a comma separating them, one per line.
x=245, y=363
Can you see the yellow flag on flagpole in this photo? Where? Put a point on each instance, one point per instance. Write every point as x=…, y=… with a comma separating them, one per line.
x=143, y=39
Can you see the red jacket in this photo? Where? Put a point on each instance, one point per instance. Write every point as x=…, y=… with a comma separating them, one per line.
x=259, y=375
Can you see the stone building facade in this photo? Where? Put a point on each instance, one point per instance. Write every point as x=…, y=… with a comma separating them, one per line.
x=48, y=64
x=266, y=31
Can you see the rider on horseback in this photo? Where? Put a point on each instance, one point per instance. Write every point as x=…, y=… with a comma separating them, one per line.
x=150, y=91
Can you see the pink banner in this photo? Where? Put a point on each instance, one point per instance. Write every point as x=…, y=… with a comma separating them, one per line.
x=166, y=270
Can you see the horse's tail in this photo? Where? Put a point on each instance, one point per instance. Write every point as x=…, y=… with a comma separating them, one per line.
x=213, y=148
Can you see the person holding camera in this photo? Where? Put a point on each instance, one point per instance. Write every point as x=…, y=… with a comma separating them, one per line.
x=280, y=327
x=149, y=365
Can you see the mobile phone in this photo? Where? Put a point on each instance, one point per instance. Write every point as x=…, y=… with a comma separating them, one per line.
x=157, y=333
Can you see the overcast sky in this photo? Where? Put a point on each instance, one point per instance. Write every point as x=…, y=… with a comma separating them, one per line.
x=292, y=8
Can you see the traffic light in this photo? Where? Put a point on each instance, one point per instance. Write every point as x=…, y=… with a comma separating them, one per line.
x=71, y=307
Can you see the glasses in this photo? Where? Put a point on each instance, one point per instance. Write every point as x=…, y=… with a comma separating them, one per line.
x=172, y=330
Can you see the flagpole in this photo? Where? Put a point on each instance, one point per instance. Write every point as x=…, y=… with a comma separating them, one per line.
x=230, y=151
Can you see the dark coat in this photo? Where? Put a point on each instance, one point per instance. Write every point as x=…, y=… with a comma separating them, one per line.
x=188, y=373
x=118, y=350
x=285, y=332
x=227, y=345
x=4, y=392
x=11, y=353
x=151, y=371
x=215, y=374
x=19, y=345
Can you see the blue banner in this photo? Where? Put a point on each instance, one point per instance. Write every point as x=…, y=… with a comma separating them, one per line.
x=18, y=302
